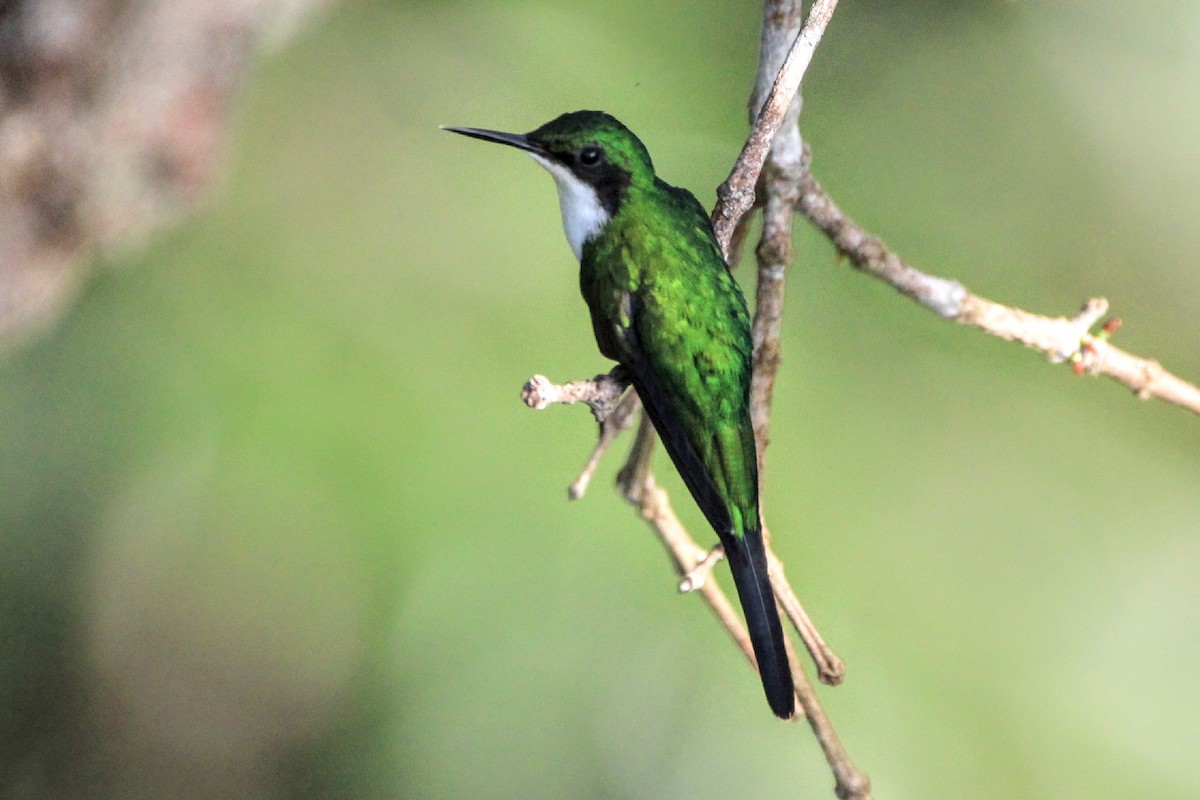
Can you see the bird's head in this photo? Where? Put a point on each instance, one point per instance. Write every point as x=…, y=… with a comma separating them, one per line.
x=594, y=160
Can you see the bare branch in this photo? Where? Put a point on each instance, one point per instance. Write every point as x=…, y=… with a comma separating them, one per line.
x=602, y=395
x=636, y=484
x=735, y=196
x=775, y=168
x=698, y=575
x=613, y=426
x=850, y=784
x=1059, y=339
x=830, y=668
x=783, y=167
x=1145, y=376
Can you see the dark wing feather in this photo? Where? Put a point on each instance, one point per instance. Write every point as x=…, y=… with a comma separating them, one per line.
x=657, y=403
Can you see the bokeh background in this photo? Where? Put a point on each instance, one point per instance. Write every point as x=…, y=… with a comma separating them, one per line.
x=274, y=523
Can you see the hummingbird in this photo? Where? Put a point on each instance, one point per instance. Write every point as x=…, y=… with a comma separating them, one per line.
x=666, y=308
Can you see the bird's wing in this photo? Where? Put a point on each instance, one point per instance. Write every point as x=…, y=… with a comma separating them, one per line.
x=690, y=364
x=665, y=413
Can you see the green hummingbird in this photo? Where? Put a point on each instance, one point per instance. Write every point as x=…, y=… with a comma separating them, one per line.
x=666, y=308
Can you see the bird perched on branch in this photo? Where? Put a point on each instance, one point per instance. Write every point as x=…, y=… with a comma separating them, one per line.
x=666, y=308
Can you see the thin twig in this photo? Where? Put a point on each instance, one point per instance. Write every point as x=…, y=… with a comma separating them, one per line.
x=1059, y=339
x=850, y=783
x=636, y=483
x=602, y=395
x=1145, y=376
x=612, y=427
x=735, y=197
x=830, y=668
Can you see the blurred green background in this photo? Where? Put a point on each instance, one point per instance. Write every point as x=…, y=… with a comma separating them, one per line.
x=276, y=525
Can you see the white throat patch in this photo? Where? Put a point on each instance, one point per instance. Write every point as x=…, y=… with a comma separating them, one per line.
x=582, y=214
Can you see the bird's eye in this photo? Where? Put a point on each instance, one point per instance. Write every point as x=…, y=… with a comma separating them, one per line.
x=590, y=155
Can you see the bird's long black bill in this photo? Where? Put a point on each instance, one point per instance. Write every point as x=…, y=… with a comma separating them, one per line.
x=516, y=140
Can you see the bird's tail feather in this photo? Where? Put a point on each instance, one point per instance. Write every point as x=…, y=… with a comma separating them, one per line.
x=748, y=562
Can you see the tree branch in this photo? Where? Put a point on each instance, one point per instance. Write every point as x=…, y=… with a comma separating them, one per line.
x=1059, y=339
x=636, y=484
x=603, y=395
x=777, y=171
x=735, y=197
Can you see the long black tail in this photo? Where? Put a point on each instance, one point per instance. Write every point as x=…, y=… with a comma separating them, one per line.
x=748, y=563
